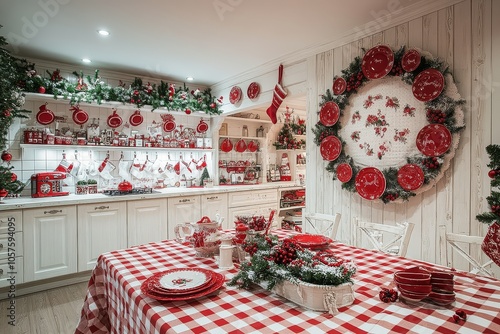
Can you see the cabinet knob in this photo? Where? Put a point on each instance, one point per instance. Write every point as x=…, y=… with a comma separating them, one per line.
x=1, y=246
x=102, y=207
x=52, y=212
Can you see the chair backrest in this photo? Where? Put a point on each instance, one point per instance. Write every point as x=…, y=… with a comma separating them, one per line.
x=454, y=240
x=321, y=223
x=399, y=235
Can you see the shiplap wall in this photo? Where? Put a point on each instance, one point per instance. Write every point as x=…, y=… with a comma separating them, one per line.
x=464, y=36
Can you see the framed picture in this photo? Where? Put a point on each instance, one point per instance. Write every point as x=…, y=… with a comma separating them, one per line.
x=223, y=130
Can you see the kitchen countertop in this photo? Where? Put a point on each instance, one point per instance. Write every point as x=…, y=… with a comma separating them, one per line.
x=72, y=199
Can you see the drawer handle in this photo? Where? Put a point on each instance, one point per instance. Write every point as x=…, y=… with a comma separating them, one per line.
x=1, y=246
x=1, y=272
x=184, y=200
x=213, y=197
x=102, y=207
x=52, y=212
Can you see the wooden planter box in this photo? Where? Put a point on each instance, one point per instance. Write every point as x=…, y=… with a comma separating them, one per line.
x=317, y=297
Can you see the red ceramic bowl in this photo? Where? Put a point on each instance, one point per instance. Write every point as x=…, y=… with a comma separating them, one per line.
x=442, y=281
x=442, y=297
x=415, y=288
x=416, y=269
x=442, y=275
x=414, y=297
x=414, y=278
x=442, y=287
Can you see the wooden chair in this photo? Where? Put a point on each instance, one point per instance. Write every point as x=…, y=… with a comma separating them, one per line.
x=375, y=232
x=321, y=223
x=453, y=239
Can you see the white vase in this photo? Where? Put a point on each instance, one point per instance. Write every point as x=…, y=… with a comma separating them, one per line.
x=317, y=297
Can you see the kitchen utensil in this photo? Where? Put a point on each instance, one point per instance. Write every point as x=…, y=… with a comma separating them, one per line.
x=114, y=120
x=202, y=126
x=45, y=116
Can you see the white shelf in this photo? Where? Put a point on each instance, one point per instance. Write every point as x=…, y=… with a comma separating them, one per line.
x=251, y=120
x=113, y=104
x=111, y=148
x=293, y=207
x=241, y=137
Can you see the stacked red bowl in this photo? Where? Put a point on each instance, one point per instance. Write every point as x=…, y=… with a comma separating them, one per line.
x=443, y=291
x=414, y=284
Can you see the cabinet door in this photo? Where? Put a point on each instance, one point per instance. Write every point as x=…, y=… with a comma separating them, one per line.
x=50, y=243
x=11, y=248
x=101, y=228
x=182, y=210
x=147, y=221
x=212, y=204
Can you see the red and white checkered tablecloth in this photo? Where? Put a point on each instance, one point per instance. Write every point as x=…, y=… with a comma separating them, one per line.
x=114, y=302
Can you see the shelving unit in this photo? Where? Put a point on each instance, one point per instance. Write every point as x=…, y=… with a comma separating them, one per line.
x=291, y=202
x=112, y=148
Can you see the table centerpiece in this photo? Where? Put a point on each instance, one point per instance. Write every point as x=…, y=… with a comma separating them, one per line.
x=317, y=280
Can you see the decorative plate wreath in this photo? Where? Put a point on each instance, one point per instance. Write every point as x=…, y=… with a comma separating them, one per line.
x=390, y=125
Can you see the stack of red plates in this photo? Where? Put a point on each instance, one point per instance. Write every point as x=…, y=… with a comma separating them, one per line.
x=182, y=284
x=312, y=241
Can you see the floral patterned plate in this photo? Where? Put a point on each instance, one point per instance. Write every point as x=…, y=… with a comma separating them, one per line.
x=183, y=279
x=329, y=114
x=253, y=90
x=235, y=95
x=370, y=183
x=330, y=148
x=428, y=85
x=377, y=62
x=339, y=86
x=434, y=140
x=410, y=177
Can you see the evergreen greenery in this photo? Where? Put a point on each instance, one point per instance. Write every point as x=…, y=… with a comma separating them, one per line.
x=494, y=199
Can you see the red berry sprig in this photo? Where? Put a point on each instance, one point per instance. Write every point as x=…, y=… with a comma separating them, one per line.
x=388, y=295
x=397, y=69
x=354, y=81
x=285, y=253
x=431, y=163
x=435, y=116
x=391, y=196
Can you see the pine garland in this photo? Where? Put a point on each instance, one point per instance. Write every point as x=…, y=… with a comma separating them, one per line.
x=494, y=199
x=273, y=261
x=440, y=110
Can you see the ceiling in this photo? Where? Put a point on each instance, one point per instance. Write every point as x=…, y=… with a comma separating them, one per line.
x=210, y=40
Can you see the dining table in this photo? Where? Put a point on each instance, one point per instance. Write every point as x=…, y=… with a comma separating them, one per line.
x=114, y=302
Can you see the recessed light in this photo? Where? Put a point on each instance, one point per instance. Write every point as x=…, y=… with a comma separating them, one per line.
x=103, y=32
x=86, y=60
x=189, y=78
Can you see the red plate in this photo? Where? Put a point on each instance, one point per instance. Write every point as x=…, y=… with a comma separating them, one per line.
x=344, y=172
x=434, y=140
x=330, y=148
x=339, y=86
x=377, y=62
x=329, y=114
x=45, y=116
x=411, y=60
x=370, y=183
x=155, y=284
x=312, y=241
x=79, y=116
x=136, y=118
x=202, y=127
x=235, y=95
x=252, y=146
x=169, y=126
x=226, y=145
x=241, y=146
x=410, y=177
x=253, y=90
x=428, y=85
x=217, y=282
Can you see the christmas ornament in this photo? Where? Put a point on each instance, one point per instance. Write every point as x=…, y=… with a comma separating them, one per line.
x=13, y=177
x=41, y=90
x=7, y=113
x=6, y=156
x=492, y=173
x=3, y=193
x=279, y=95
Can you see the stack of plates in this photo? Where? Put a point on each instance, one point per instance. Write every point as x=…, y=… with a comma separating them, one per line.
x=182, y=284
x=312, y=241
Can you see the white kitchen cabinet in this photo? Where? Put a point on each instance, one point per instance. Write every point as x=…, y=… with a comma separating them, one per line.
x=101, y=228
x=185, y=209
x=11, y=248
x=50, y=242
x=254, y=202
x=213, y=204
x=147, y=221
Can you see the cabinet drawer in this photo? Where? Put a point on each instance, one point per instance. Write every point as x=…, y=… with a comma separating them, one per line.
x=16, y=245
x=6, y=272
x=11, y=221
x=245, y=198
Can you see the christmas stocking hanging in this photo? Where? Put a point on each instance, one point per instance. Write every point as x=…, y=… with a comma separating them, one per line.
x=279, y=95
